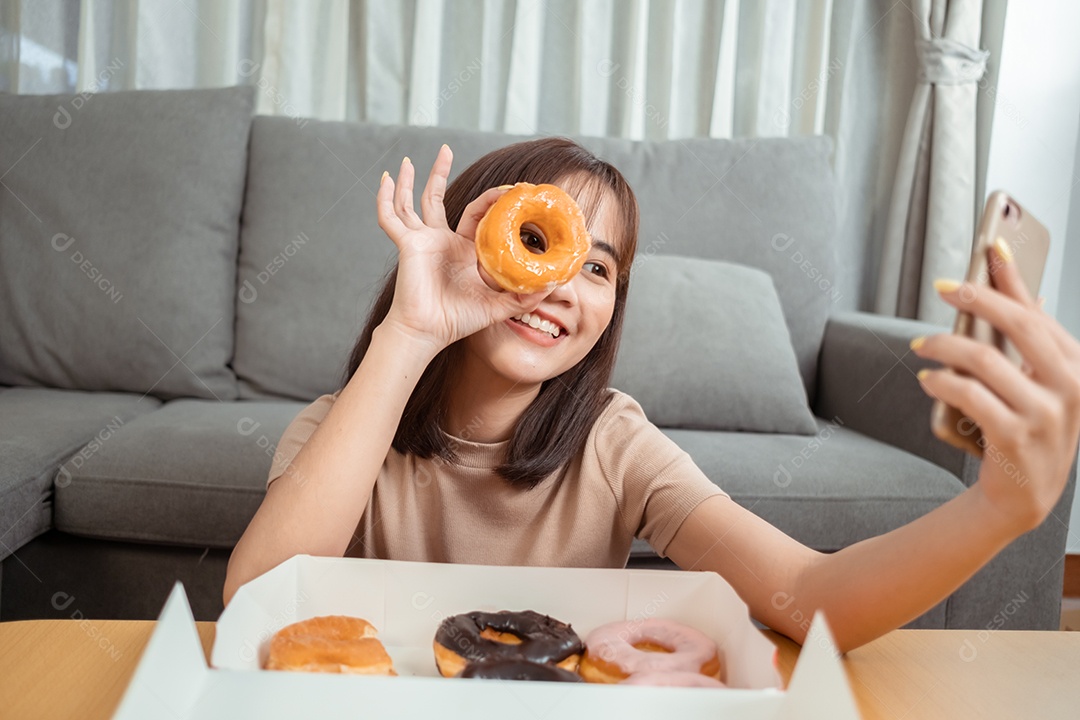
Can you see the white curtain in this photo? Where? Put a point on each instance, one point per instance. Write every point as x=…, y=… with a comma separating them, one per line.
x=638, y=69
x=930, y=228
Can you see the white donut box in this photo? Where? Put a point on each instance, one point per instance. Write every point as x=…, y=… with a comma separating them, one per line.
x=407, y=600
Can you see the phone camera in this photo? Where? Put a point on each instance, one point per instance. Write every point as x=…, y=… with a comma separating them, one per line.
x=1011, y=212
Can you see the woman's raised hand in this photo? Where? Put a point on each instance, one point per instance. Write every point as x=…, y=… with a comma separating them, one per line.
x=440, y=295
x=1030, y=416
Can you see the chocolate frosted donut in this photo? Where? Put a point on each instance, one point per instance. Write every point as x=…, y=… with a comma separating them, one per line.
x=518, y=670
x=525, y=635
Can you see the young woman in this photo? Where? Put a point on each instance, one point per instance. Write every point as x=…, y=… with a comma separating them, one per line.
x=464, y=433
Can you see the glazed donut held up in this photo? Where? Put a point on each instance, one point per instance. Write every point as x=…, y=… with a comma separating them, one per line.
x=441, y=292
x=532, y=239
x=495, y=636
x=332, y=644
x=621, y=650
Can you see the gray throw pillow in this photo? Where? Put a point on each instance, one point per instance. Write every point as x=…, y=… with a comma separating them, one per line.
x=119, y=227
x=705, y=346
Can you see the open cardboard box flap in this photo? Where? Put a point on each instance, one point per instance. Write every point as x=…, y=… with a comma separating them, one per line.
x=406, y=601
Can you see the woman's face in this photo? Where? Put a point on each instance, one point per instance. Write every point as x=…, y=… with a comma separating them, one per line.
x=581, y=308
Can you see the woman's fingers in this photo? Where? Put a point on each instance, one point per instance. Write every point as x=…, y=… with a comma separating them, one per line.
x=973, y=399
x=1006, y=278
x=1005, y=275
x=986, y=364
x=488, y=280
x=1020, y=324
x=384, y=206
x=431, y=202
x=403, y=197
x=477, y=209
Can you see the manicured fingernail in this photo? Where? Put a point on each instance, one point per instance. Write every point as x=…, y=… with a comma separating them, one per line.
x=385, y=174
x=918, y=342
x=1003, y=249
x=922, y=374
x=406, y=160
x=945, y=285
x=504, y=187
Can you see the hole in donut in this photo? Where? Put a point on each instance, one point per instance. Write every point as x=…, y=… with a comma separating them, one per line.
x=503, y=637
x=533, y=239
x=647, y=646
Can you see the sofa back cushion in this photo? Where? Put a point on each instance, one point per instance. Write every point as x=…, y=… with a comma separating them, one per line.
x=119, y=226
x=706, y=347
x=767, y=203
x=312, y=254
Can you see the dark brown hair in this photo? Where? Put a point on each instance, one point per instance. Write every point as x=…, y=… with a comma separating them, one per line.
x=556, y=424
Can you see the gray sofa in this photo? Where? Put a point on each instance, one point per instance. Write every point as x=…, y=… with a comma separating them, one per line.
x=178, y=279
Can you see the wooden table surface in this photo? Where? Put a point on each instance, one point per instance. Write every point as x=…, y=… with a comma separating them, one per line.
x=80, y=669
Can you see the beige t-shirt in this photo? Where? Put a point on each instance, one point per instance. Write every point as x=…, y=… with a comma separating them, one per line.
x=629, y=480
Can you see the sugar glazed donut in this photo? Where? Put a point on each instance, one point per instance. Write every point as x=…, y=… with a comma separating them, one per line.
x=532, y=239
x=484, y=636
x=617, y=651
x=332, y=644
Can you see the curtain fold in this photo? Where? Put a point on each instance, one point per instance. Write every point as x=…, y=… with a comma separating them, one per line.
x=931, y=216
x=636, y=69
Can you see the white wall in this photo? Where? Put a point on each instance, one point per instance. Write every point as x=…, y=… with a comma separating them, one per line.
x=1068, y=311
x=1034, y=150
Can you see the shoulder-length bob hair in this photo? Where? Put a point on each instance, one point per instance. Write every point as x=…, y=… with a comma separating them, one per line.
x=556, y=424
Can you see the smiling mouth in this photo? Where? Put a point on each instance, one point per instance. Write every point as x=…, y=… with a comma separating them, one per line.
x=538, y=323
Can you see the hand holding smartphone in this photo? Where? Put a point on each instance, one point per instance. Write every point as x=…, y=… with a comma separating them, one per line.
x=1029, y=242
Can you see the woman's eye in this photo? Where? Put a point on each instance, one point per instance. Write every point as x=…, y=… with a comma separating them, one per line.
x=596, y=268
x=533, y=242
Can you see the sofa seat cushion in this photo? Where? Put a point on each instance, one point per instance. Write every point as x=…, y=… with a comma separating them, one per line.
x=192, y=473
x=827, y=491
x=41, y=433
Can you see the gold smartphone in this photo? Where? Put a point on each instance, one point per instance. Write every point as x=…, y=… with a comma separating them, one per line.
x=1029, y=240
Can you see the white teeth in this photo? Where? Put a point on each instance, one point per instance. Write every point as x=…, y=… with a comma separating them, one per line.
x=538, y=323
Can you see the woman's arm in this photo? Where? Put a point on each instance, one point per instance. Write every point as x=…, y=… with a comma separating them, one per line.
x=1030, y=421
x=866, y=589
x=315, y=507
x=440, y=297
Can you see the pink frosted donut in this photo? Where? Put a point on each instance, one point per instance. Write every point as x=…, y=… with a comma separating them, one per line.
x=618, y=650
x=673, y=679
